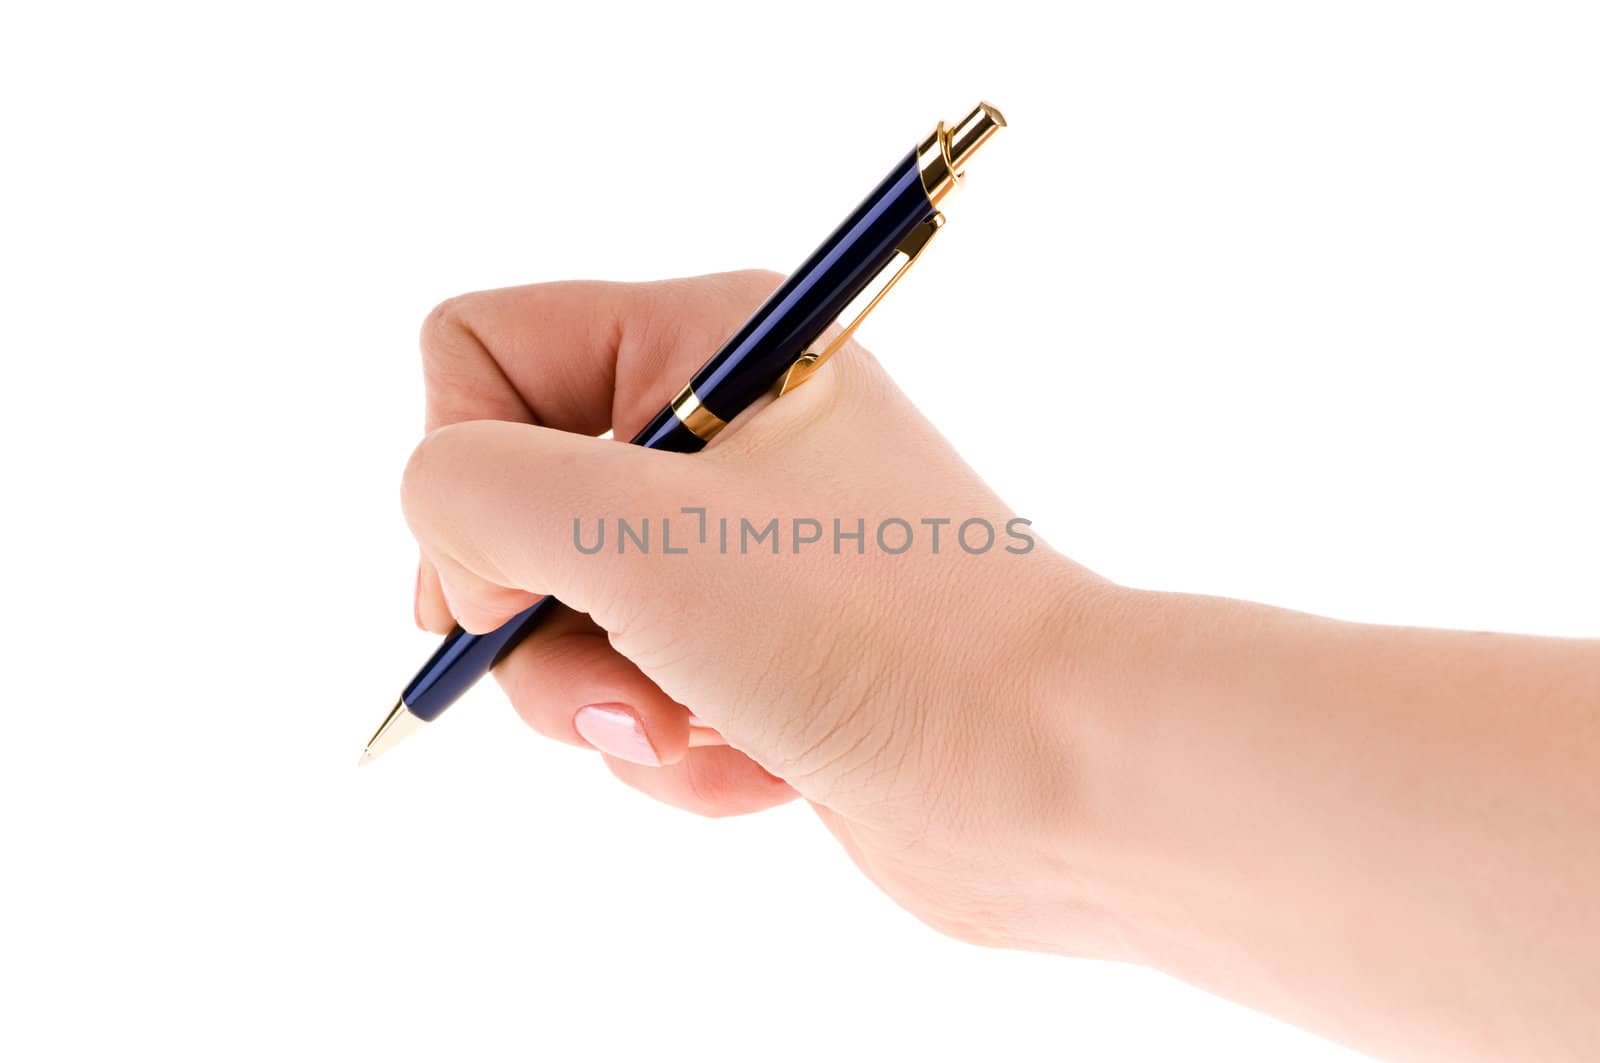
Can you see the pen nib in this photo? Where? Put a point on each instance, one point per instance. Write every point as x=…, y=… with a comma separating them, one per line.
x=399, y=725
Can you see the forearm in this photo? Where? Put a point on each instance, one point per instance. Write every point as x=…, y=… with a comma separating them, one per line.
x=1388, y=835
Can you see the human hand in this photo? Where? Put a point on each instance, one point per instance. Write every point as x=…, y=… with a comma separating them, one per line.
x=1275, y=806
x=901, y=693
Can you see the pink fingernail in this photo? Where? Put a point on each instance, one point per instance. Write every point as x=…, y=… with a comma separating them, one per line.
x=416, y=601
x=616, y=730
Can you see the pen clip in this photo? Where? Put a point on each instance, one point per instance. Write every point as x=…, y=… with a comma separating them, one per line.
x=904, y=255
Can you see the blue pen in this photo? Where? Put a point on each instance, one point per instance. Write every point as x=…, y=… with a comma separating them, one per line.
x=841, y=281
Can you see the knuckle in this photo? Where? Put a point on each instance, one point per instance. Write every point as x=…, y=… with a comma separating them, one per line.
x=753, y=285
x=540, y=715
x=711, y=787
x=722, y=785
x=533, y=705
x=423, y=467
x=443, y=324
x=547, y=679
x=424, y=456
x=491, y=605
x=762, y=279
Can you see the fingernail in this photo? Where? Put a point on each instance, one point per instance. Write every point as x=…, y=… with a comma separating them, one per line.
x=614, y=729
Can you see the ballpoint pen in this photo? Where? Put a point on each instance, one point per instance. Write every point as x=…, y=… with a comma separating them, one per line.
x=840, y=282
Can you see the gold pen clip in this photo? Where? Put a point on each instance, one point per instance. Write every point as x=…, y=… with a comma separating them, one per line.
x=859, y=307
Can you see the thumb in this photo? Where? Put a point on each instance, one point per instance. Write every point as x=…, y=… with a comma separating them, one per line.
x=509, y=511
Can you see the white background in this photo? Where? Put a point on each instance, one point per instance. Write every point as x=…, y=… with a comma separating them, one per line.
x=1289, y=302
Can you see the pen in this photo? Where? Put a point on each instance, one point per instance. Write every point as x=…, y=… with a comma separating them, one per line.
x=841, y=281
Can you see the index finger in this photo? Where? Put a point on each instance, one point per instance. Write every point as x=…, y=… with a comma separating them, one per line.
x=579, y=356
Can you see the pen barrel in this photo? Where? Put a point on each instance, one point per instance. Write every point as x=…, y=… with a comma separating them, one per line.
x=741, y=371
x=462, y=659
x=815, y=294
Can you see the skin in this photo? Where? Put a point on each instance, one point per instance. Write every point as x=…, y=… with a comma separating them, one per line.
x=1387, y=835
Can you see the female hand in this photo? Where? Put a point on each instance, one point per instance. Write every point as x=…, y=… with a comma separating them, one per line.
x=1385, y=834
x=901, y=689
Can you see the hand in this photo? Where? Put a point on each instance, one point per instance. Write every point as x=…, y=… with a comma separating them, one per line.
x=900, y=693
x=1385, y=834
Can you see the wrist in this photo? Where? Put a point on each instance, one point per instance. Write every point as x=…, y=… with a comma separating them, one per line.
x=1056, y=757
x=1118, y=770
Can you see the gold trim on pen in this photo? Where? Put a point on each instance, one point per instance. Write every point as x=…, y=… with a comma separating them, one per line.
x=695, y=417
x=396, y=727
x=945, y=152
x=941, y=157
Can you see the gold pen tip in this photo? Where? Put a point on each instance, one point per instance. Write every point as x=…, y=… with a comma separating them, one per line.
x=399, y=725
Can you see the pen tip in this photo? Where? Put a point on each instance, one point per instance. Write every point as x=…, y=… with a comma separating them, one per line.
x=398, y=725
